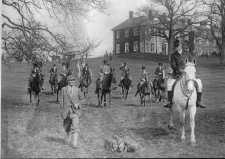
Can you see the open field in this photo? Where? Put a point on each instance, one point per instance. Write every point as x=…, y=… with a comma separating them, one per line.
x=29, y=131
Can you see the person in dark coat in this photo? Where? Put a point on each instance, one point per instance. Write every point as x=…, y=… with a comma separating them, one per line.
x=177, y=65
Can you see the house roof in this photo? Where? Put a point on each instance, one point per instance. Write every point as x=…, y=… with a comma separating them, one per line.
x=132, y=22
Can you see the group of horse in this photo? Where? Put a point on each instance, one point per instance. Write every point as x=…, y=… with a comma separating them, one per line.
x=182, y=102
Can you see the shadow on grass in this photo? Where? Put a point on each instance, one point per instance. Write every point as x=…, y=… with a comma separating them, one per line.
x=10, y=153
x=56, y=140
x=53, y=102
x=92, y=105
x=150, y=133
x=118, y=97
x=133, y=105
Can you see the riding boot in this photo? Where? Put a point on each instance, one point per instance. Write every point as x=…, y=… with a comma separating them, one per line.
x=170, y=100
x=74, y=139
x=199, y=98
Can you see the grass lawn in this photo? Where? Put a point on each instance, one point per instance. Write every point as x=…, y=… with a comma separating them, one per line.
x=30, y=131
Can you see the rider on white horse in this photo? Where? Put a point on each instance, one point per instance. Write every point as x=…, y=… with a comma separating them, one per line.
x=177, y=65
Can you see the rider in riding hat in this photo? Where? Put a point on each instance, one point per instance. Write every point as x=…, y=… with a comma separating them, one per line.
x=125, y=71
x=177, y=65
x=65, y=72
x=159, y=71
x=33, y=73
x=104, y=70
x=143, y=79
x=53, y=69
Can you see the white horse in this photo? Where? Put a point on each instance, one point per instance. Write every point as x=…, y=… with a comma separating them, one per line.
x=184, y=99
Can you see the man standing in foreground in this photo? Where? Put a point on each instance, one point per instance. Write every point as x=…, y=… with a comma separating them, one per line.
x=70, y=106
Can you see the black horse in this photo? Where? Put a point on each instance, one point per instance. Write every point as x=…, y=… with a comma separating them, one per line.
x=125, y=86
x=85, y=82
x=35, y=85
x=144, y=90
x=62, y=83
x=104, y=87
x=53, y=81
x=159, y=88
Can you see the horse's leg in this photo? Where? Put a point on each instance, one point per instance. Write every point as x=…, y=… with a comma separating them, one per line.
x=109, y=98
x=104, y=99
x=57, y=98
x=171, y=125
x=102, y=95
x=192, y=112
x=30, y=96
x=38, y=99
x=182, y=122
x=127, y=90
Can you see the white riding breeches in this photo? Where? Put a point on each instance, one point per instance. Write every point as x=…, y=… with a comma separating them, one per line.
x=200, y=86
x=170, y=83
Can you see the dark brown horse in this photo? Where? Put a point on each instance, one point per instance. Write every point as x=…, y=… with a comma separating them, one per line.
x=35, y=87
x=159, y=88
x=103, y=88
x=53, y=81
x=85, y=81
x=144, y=90
x=125, y=86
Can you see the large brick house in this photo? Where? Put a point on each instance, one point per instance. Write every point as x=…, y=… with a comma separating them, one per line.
x=135, y=35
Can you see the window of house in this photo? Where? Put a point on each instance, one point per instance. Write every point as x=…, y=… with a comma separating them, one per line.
x=127, y=33
x=126, y=47
x=142, y=47
x=117, y=34
x=152, y=47
x=135, y=47
x=135, y=31
x=117, y=48
x=147, y=46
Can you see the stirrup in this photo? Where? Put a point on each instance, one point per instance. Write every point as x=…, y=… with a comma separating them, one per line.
x=169, y=105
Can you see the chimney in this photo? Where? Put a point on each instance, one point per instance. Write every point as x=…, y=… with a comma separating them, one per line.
x=131, y=14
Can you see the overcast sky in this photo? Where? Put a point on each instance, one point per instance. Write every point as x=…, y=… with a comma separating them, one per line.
x=99, y=25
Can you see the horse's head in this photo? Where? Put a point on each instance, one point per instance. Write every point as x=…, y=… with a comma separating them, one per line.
x=190, y=70
x=189, y=74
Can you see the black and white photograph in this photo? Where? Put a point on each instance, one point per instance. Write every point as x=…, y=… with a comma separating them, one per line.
x=112, y=79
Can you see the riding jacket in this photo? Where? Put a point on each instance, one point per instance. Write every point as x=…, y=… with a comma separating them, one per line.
x=105, y=69
x=177, y=64
x=159, y=72
x=53, y=70
x=125, y=71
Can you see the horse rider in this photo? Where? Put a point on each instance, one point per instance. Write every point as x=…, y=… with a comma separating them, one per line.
x=143, y=80
x=159, y=71
x=105, y=70
x=34, y=72
x=177, y=65
x=53, y=70
x=85, y=71
x=65, y=72
x=70, y=105
x=125, y=71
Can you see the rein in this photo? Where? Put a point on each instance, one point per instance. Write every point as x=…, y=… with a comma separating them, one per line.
x=187, y=93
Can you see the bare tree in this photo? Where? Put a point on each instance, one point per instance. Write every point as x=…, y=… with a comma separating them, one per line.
x=29, y=30
x=216, y=20
x=170, y=20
